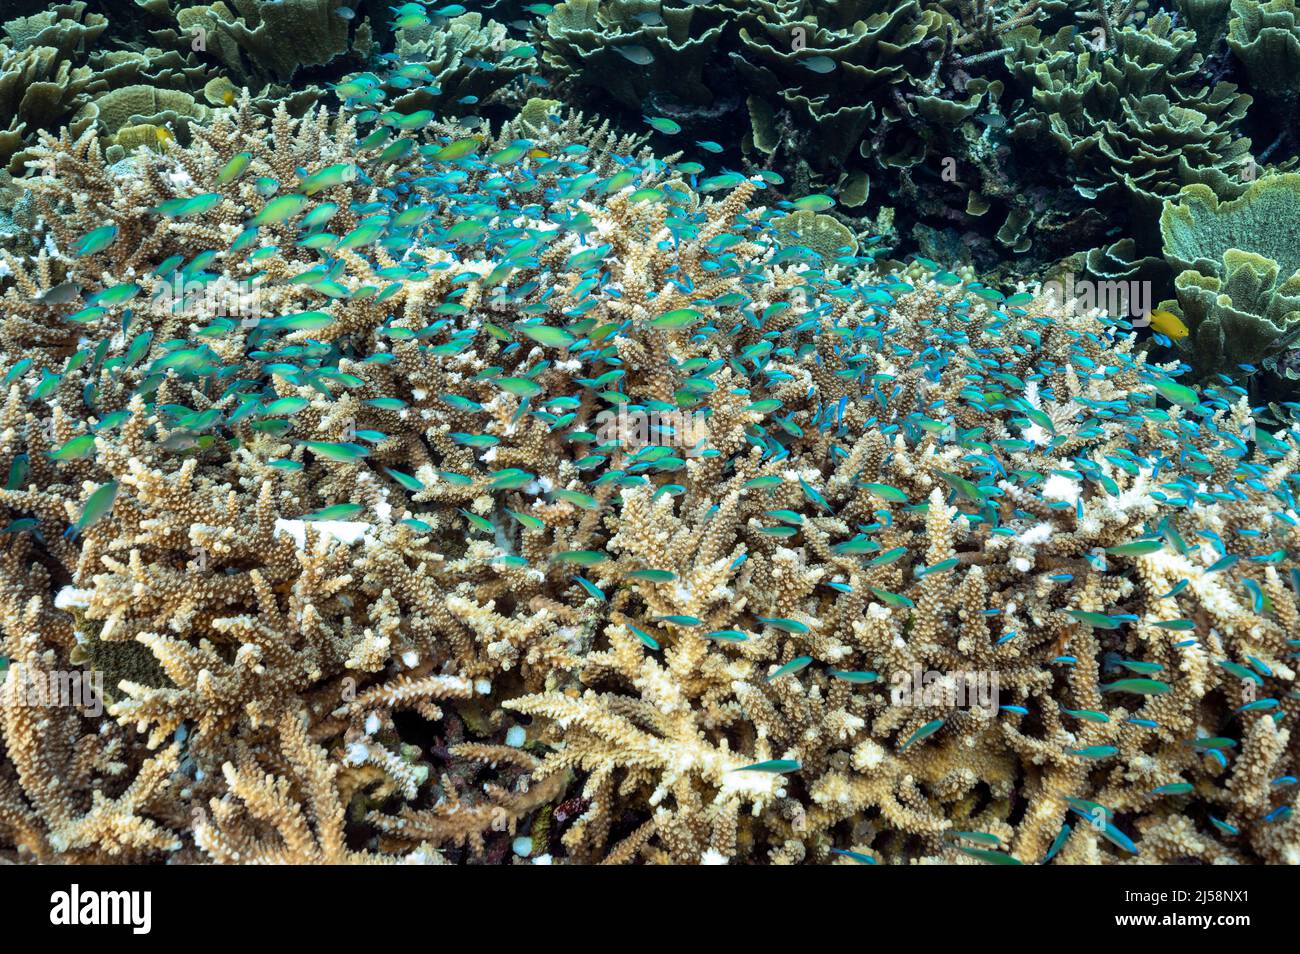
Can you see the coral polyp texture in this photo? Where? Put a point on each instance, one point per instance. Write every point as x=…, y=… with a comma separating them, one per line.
x=390, y=481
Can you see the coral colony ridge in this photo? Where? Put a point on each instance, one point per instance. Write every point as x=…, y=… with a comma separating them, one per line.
x=698, y=431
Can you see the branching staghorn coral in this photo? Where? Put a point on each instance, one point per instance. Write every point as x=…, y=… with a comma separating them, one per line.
x=409, y=594
x=834, y=733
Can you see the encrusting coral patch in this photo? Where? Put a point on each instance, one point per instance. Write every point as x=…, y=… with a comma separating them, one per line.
x=427, y=496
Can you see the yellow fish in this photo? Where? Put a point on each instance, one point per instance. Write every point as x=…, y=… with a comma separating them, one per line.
x=164, y=135
x=1169, y=324
x=538, y=154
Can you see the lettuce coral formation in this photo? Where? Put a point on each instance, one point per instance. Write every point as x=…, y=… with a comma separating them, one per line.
x=425, y=496
x=1266, y=38
x=461, y=67
x=936, y=113
x=1237, y=272
x=1138, y=121
x=39, y=87
x=70, y=66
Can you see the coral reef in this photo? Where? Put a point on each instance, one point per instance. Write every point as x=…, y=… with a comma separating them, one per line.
x=463, y=66
x=1136, y=119
x=1238, y=272
x=70, y=67
x=927, y=120
x=424, y=496
x=39, y=86
x=250, y=38
x=1266, y=38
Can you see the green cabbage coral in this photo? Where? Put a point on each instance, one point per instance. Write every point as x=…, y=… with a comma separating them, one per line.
x=851, y=96
x=841, y=82
x=1238, y=271
x=1209, y=18
x=821, y=233
x=41, y=82
x=936, y=111
x=1266, y=38
x=853, y=93
x=270, y=42
x=56, y=70
x=1135, y=120
x=635, y=49
x=468, y=60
